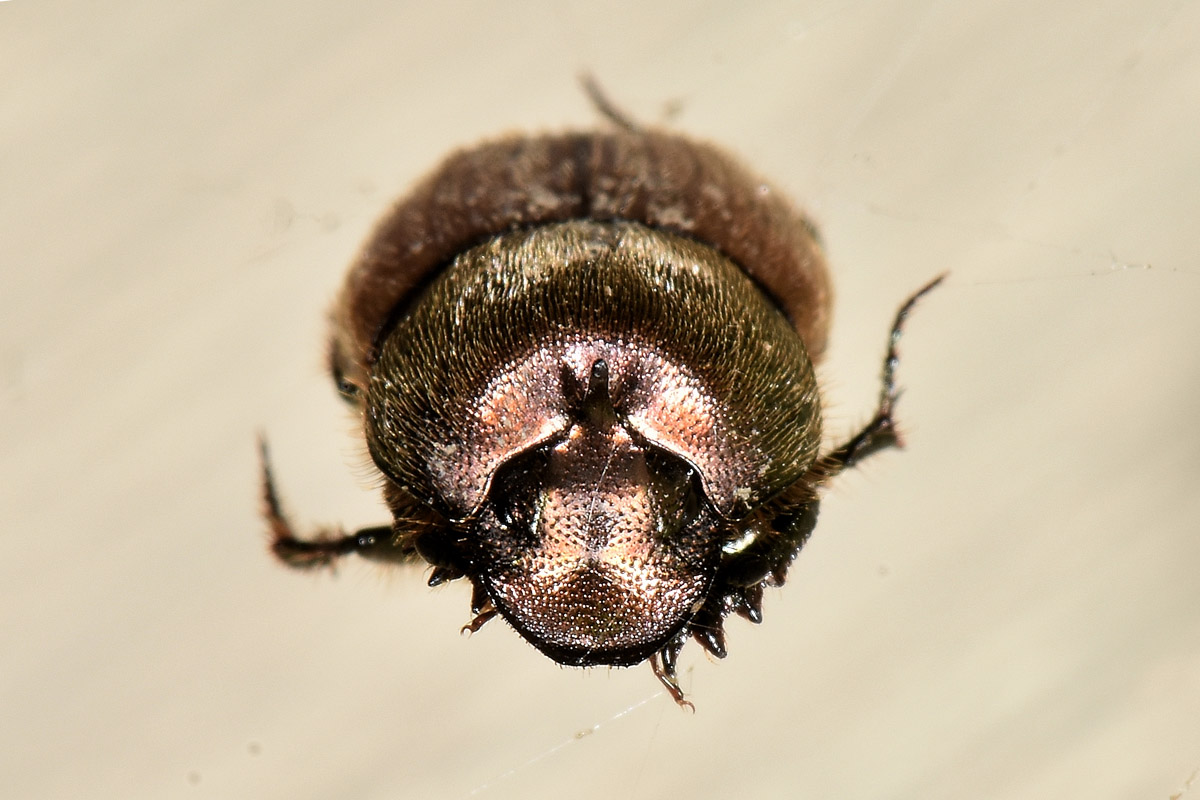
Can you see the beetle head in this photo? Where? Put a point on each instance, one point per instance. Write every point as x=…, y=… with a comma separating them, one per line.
x=598, y=546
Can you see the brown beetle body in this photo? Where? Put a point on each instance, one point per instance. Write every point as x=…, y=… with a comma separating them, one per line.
x=584, y=364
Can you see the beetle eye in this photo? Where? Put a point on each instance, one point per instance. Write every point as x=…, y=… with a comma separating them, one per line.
x=512, y=491
x=692, y=501
x=510, y=512
x=676, y=491
x=347, y=390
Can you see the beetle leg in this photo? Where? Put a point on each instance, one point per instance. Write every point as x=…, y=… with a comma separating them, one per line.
x=441, y=575
x=663, y=664
x=326, y=546
x=482, y=618
x=748, y=603
x=738, y=587
x=880, y=433
x=766, y=559
x=708, y=626
x=481, y=607
x=605, y=106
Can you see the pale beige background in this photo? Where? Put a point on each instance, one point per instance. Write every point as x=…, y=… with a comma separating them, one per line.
x=1008, y=609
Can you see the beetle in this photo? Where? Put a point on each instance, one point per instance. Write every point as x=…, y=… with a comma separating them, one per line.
x=584, y=368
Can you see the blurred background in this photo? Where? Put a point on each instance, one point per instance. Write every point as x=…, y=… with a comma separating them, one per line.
x=1008, y=608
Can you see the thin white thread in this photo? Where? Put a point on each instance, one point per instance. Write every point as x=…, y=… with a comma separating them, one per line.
x=583, y=734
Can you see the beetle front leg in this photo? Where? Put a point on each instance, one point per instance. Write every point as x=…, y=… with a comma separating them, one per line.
x=880, y=433
x=325, y=547
x=663, y=664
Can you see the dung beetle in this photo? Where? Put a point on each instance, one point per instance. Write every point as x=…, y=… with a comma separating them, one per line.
x=583, y=364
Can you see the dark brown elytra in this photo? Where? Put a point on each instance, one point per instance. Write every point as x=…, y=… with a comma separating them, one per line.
x=584, y=368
